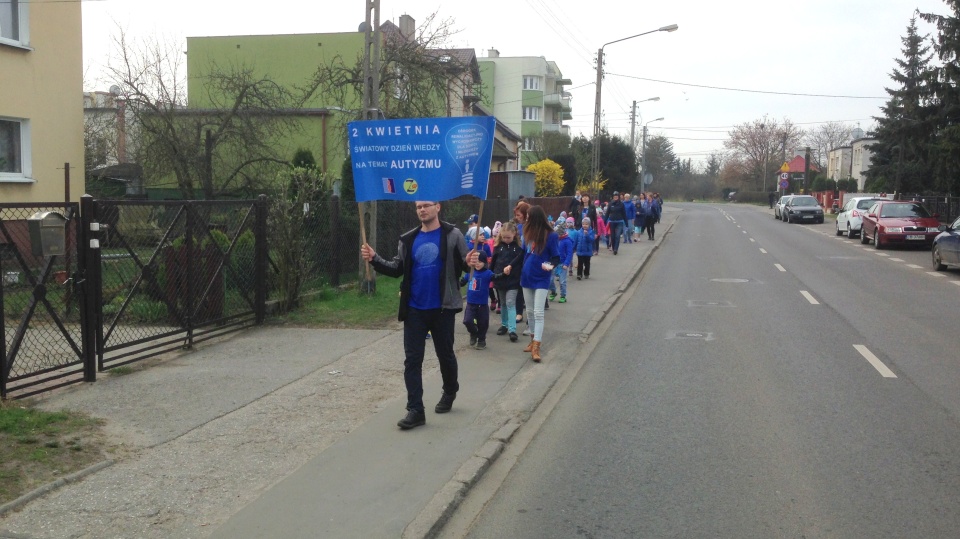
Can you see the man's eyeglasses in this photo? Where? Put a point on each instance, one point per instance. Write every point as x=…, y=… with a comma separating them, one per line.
x=424, y=206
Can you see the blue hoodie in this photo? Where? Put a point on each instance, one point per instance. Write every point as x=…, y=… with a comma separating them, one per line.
x=584, y=243
x=533, y=275
x=630, y=208
x=565, y=246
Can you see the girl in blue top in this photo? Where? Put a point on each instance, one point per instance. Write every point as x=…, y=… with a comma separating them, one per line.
x=543, y=255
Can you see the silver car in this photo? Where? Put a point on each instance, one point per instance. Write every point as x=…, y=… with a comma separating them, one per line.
x=850, y=218
x=778, y=207
x=801, y=209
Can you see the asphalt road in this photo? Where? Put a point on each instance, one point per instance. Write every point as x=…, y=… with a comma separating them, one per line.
x=762, y=380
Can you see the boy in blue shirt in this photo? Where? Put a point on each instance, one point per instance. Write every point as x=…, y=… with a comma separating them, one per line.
x=477, y=316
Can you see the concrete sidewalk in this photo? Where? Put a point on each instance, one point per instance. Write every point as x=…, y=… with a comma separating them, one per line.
x=291, y=432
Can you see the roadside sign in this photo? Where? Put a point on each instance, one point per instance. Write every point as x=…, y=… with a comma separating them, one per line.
x=784, y=167
x=784, y=175
x=784, y=184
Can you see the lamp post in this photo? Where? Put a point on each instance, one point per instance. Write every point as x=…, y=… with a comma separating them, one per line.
x=643, y=154
x=596, y=108
x=633, y=119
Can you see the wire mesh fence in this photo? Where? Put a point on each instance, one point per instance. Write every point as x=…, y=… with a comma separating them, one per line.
x=40, y=312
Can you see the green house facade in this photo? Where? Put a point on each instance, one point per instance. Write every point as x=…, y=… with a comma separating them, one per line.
x=527, y=94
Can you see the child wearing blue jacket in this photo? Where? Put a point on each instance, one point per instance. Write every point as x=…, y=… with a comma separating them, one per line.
x=477, y=316
x=584, y=248
x=565, y=245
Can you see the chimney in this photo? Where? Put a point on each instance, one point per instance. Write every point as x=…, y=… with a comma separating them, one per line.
x=407, y=26
x=493, y=53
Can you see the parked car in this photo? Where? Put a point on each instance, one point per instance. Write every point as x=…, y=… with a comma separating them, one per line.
x=778, y=207
x=902, y=222
x=946, y=246
x=802, y=208
x=850, y=217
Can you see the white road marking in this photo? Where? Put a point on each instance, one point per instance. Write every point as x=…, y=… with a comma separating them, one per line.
x=779, y=267
x=810, y=298
x=753, y=240
x=744, y=231
x=881, y=254
x=936, y=274
x=762, y=250
x=914, y=266
x=875, y=361
x=895, y=259
x=956, y=282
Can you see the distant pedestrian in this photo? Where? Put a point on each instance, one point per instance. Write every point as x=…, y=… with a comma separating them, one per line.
x=559, y=280
x=631, y=210
x=651, y=211
x=615, y=217
x=542, y=256
x=476, y=317
x=430, y=259
x=770, y=198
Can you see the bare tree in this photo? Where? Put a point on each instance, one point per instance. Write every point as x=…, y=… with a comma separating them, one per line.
x=826, y=137
x=760, y=145
x=419, y=76
x=218, y=149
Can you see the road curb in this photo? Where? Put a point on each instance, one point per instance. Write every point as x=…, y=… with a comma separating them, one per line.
x=54, y=485
x=438, y=510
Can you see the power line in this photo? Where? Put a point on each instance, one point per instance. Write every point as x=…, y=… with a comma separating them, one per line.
x=746, y=90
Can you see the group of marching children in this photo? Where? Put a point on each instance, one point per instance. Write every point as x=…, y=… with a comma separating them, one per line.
x=528, y=264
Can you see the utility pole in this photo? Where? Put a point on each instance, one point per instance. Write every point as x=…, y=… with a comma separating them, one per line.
x=806, y=168
x=633, y=123
x=596, y=117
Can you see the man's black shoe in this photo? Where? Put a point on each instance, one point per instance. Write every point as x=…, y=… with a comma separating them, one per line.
x=502, y=330
x=513, y=336
x=473, y=340
x=413, y=419
x=481, y=345
x=446, y=402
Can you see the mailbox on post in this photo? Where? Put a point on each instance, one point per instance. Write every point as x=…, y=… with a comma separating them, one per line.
x=47, y=233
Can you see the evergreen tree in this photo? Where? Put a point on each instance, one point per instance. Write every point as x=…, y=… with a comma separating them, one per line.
x=945, y=83
x=901, y=156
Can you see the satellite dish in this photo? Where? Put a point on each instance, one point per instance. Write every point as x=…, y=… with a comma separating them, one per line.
x=115, y=90
x=362, y=27
x=857, y=133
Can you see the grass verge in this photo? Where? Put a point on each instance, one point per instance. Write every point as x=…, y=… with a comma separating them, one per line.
x=38, y=447
x=348, y=308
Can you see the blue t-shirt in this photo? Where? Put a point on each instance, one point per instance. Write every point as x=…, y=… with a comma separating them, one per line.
x=478, y=288
x=425, y=277
x=533, y=275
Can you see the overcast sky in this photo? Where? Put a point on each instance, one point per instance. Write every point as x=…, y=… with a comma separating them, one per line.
x=824, y=47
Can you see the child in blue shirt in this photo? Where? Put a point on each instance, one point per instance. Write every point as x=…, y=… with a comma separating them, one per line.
x=565, y=244
x=477, y=316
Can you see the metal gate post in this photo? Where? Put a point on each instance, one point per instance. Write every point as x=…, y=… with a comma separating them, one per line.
x=260, y=260
x=86, y=284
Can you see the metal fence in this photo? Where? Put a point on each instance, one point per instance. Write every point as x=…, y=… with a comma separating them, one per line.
x=135, y=279
x=946, y=208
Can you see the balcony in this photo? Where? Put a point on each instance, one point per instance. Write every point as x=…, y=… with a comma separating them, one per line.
x=556, y=128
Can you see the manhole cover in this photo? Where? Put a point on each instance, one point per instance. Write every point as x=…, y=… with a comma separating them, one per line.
x=697, y=303
x=730, y=280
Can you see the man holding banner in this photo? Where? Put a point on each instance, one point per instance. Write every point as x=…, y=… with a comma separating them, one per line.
x=424, y=160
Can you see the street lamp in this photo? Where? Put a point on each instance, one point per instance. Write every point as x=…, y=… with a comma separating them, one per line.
x=596, y=108
x=643, y=154
x=633, y=120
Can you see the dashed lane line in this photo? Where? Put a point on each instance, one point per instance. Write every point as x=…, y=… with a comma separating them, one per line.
x=896, y=260
x=810, y=298
x=936, y=274
x=762, y=250
x=914, y=266
x=779, y=267
x=875, y=361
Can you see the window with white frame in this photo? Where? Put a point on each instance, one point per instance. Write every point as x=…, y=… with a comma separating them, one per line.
x=14, y=148
x=531, y=113
x=529, y=144
x=13, y=22
x=531, y=82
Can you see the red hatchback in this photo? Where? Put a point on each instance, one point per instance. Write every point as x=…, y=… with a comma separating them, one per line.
x=900, y=222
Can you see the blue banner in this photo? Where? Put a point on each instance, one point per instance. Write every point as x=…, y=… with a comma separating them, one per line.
x=421, y=158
